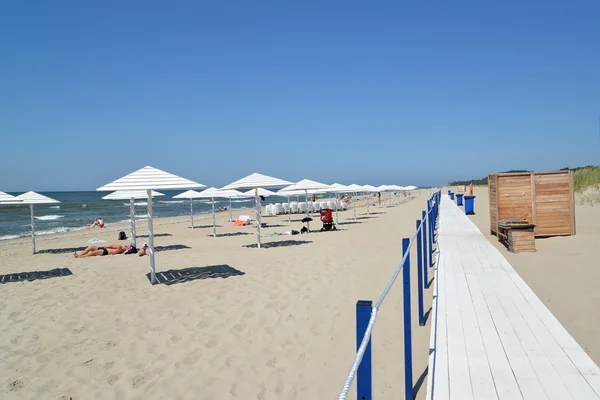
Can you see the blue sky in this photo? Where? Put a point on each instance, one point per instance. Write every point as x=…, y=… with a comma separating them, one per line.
x=348, y=91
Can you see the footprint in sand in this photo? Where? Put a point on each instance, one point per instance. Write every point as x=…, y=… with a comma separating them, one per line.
x=113, y=379
x=137, y=381
x=272, y=363
x=237, y=328
x=213, y=341
x=17, y=340
x=16, y=385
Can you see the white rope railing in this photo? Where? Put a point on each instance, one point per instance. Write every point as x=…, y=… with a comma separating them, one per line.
x=367, y=336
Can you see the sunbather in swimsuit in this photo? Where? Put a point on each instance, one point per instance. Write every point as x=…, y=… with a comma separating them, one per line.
x=93, y=251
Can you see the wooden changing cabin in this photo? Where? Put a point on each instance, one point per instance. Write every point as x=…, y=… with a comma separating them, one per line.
x=544, y=199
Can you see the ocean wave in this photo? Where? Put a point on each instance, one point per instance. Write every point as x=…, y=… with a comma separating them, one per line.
x=141, y=203
x=60, y=229
x=49, y=217
x=171, y=201
x=9, y=237
x=54, y=206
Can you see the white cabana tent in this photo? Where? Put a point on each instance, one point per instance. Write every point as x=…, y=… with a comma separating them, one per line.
x=306, y=185
x=190, y=194
x=148, y=179
x=336, y=188
x=131, y=195
x=257, y=181
x=30, y=198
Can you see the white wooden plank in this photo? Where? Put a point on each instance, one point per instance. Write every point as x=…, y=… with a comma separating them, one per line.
x=458, y=366
x=441, y=388
x=504, y=379
x=481, y=377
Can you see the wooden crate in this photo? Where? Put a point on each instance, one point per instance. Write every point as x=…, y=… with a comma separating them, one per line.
x=545, y=199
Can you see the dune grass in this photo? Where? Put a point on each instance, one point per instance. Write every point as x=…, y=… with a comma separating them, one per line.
x=587, y=177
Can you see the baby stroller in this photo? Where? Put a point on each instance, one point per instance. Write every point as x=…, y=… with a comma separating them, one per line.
x=327, y=219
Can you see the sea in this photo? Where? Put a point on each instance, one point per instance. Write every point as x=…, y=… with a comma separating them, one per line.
x=77, y=209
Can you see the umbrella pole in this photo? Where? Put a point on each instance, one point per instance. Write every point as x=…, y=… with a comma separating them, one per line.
x=289, y=210
x=32, y=229
x=257, y=216
x=354, y=205
x=337, y=195
x=307, y=210
x=214, y=221
x=230, y=209
x=192, y=213
x=368, y=205
x=151, y=239
x=132, y=221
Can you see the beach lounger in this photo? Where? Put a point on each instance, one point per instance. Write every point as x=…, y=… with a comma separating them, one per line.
x=323, y=205
x=294, y=207
x=269, y=209
x=302, y=207
x=286, y=207
x=278, y=209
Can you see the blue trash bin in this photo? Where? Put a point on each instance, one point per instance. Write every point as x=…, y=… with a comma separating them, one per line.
x=451, y=196
x=449, y=191
x=469, y=205
x=459, y=198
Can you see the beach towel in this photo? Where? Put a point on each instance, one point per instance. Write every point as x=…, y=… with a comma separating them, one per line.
x=242, y=220
x=93, y=241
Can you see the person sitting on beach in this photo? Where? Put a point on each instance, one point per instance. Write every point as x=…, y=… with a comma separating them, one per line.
x=107, y=250
x=99, y=222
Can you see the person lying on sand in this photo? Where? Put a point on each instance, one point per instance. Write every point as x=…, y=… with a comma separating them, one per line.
x=109, y=249
x=144, y=251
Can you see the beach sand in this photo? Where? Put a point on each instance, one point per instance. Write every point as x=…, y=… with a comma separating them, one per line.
x=280, y=326
x=564, y=272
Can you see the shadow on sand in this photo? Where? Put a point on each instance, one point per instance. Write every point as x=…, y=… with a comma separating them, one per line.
x=283, y=243
x=206, y=226
x=35, y=275
x=171, y=247
x=350, y=223
x=231, y=234
x=155, y=235
x=175, y=276
x=63, y=250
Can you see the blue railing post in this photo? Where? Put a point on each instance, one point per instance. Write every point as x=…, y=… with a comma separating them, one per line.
x=420, y=268
x=425, y=216
x=430, y=238
x=408, y=378
x=422, y=249
x=364, y=377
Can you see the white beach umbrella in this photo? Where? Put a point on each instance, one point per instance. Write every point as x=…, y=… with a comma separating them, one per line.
x=306, y=185
x=261, y=192
x=230, y=194
x=148, y=179
x=369, y=189
x=256, y=181
x=355, y=188
x=210, y=193
x=5, y=197
x=190, y=194
x=30, y=198
x=336, y=188
x=131, y=195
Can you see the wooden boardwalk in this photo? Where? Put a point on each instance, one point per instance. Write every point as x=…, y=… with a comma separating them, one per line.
x=491, y=336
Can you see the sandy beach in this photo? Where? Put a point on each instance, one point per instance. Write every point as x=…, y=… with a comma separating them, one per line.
x=281, y=325
x=563, y=272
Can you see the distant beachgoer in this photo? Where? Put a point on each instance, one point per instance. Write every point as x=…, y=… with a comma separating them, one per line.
x=314, y=198
x=99, y=222
x=471, y=189
x=106, y=250
x=379, y=197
